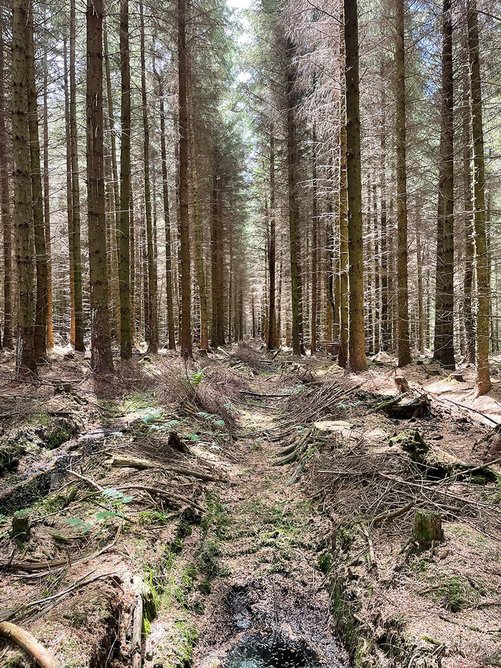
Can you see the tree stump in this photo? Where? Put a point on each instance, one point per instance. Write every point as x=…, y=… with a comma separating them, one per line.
x=427, y=527
x=20, y=526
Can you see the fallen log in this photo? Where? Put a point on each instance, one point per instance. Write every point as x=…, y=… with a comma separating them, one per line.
x=28, y=643
x=137, y=624
x=142, y=464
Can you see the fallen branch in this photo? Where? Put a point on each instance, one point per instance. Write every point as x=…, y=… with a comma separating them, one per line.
x=178, y=499
x=142, y=464
x=387, y=517
x=137, y=624
x=28, y=643
x=89, y=482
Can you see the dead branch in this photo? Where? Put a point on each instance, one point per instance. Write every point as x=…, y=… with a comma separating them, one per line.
x=142, y=464
x=28, y=643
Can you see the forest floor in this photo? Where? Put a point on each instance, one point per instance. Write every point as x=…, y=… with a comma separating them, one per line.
x=251, y=507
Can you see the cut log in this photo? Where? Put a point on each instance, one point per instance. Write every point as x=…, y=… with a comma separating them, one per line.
x=427, y=527
x=407, y=407
x=28, y=643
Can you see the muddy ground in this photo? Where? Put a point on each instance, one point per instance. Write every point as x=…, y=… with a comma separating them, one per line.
x=248, y=499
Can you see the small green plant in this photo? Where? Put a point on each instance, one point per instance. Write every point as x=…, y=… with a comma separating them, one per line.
x=196, y=378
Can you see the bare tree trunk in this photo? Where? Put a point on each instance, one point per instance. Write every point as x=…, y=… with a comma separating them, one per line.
x=483, y=380
x=123, y=219
x=271, y=342
x=165, y=192
x=217, y=260
x=356, y=359
x=184, y=221
x=152, y=322
x=404, y=353
x=46, y=200
x=101, y=357
x=343, y=237
x=294, y=232
x=444, y=316
x=385, y=309
x=37, y=200
x=75, y=238
x=5, y=199
x=468, y=218
x=23, y=212
x=314, y=251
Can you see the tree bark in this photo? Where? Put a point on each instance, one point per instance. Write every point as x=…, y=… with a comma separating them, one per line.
x=40, y=340
x=123, y=220
x=101, y=357
x=271, y=342
x=314, y=251
x=23, y=211
x=444, y=305
x=152, y=322
x=356, y=360
x=77, y=330
x=294, y=231
x=184, y=221
x=483, y=381
x=165, y=193
x=5, y=199
x=404, y=353
x=46, y=200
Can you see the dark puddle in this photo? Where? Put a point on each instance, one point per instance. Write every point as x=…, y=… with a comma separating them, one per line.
x=270, y=651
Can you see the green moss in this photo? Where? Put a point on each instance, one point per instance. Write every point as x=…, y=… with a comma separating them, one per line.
x=456, y=593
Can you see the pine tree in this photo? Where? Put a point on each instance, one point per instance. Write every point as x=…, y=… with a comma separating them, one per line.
x=356, y=359
x=101, y=357
x=23, y=206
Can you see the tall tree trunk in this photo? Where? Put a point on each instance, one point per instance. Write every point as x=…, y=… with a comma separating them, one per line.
x=403, y=345
x=271, y=341
x=184, y=220
x=69, y=190
x=37, y=200
x=483, y=381
x=343, y=236
x=199, y=245
x=444, y=316
x=46, y=200
x=114, y=195
x=152, y=322
x=23, y=211
x=385, y=309
x=101, y=357
x=5, y=199
x=123, y=220
x=75, y=233
x=294, y=231
x=314, y=250
x=217, y=259
x=468, y=217
x=165, y=193
x=357, y=360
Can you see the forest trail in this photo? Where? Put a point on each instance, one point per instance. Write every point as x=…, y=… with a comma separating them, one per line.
x=267, y=601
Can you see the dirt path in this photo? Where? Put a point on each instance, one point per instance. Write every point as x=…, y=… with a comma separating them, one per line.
x=263, y=584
